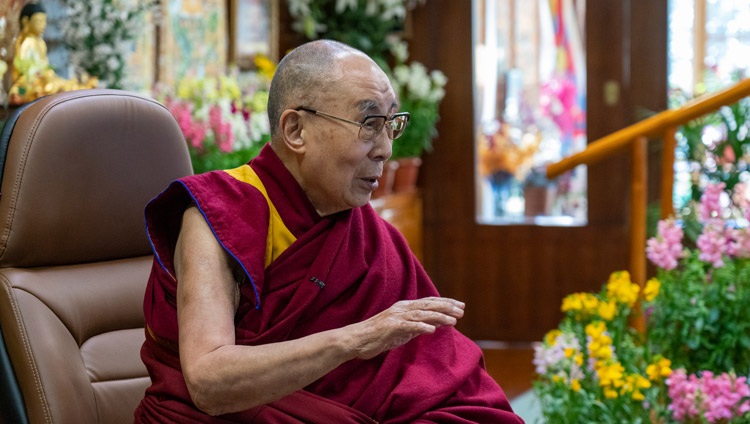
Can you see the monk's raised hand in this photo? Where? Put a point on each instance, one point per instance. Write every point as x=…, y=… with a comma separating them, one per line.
x=402, y=322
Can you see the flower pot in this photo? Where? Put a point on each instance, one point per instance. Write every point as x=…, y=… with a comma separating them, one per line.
x=538, y=200
x=385, y=182
x=405, y=179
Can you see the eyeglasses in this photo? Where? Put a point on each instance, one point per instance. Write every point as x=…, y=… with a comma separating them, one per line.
x=372, y=125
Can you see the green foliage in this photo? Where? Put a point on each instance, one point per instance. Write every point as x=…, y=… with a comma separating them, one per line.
x=716, y=146
x=700, y=318
x=210, y=157
x=421, y=129
x=356, y=27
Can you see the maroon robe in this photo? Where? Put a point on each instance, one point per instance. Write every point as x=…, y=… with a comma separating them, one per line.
x=341, y=269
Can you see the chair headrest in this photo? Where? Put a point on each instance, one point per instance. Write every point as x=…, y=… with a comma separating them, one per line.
x=79, y=169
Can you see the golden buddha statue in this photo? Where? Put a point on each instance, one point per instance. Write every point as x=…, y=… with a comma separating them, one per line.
x=32, y=75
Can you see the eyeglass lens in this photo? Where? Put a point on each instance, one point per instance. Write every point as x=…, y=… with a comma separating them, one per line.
x=373, y=125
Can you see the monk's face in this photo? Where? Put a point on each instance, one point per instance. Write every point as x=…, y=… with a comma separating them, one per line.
x=340, y=170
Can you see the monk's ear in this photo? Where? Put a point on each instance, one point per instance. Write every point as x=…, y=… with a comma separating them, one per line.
x=291, y=126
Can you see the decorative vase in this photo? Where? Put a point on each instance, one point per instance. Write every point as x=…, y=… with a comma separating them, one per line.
x=405, y=178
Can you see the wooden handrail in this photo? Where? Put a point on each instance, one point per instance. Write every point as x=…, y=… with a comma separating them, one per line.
x=650, y=127
x=664, y=126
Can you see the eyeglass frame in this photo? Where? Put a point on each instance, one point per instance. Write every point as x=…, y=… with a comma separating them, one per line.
x=361, y=124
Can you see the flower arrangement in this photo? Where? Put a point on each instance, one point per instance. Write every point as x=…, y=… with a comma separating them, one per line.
x=223, y=118
x=500, y=154
x=690, y=364
x=700, y=317
x=99, y=35
x=595, y=366
x=420, y=92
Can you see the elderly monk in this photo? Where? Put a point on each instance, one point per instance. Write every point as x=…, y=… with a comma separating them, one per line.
x=278, y=295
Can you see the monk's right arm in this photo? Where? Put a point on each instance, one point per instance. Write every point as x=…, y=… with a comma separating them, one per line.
x=223, y=377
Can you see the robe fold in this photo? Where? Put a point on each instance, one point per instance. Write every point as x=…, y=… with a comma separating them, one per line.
x=305, y=274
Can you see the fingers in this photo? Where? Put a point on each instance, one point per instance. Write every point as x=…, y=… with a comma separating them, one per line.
x=404, y=321
x=430, y=309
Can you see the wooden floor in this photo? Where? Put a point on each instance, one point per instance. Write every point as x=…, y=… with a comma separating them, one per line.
x=510, y=365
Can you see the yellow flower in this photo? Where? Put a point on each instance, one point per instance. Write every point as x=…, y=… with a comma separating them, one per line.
x=571, y=302
x=610, y=394
x=265, y=66
x=610, y=374
x=665, y=367
x=604, y=352
x=580, y=303
x=642, y=382
x=569, y=351
x=651, y=290
x=607, y=310
x=590, y=303
x=595, y=329
x=551, y=337
x=578, y=359
x=659, y=369
x=575, y=385
x=622, y=289
x=637, y=395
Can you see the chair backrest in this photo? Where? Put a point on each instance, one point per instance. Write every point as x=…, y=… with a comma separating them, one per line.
x=79, y=168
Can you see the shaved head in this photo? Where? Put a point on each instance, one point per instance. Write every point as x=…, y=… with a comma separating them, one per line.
x=304, y=74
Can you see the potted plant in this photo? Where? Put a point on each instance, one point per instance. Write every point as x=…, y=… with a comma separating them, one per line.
x=420, y=92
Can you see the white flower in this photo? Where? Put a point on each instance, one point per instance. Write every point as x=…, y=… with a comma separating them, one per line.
x=298, y=8
x=103, y=29
x=82, y=32
x=438, y=78
x=99, y=35
x=400, y=51
x=393, y=9
x=342, y=5
x=103, y=50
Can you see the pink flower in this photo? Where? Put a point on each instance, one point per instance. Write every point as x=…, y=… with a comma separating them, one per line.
x=665, y=249
x=715, y=398
x=713, y=243
x=710, y=206
x=194, y=131
x=738, y=242
x=222, y=129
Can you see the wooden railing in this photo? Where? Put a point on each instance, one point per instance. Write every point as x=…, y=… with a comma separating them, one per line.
x=635, y=137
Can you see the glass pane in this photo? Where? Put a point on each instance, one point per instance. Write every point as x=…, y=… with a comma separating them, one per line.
x=709, y=49
x=530, y=103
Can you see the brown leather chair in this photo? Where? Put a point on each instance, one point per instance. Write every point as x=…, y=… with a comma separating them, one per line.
x=77, y=170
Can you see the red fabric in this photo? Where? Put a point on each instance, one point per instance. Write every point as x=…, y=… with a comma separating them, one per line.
x=364, y=265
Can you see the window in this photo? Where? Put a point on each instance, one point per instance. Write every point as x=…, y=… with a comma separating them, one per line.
x=530, y=102
x=709, y=49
